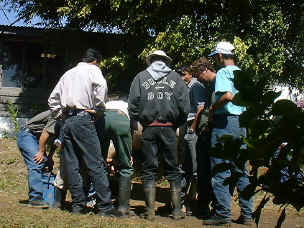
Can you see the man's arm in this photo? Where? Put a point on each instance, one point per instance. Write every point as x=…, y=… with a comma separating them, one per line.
x=223, y=89
x=39, y=157
x=194, y=124
x=224, y=99
x=198, y=97
x=134, y=99
x=54, y=100
x=183, y=100
x=100, y=88
x=52, y=152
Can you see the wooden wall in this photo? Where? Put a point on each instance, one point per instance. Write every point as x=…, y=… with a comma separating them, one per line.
x=28, y=101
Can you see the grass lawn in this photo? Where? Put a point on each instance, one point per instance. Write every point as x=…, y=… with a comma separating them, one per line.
x=13, y=188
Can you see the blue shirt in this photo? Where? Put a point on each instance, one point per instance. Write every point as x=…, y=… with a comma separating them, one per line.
x=225, y=83
x=199, y=95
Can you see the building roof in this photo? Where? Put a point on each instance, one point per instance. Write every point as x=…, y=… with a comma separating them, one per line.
x=14, y=30
x=30, y=30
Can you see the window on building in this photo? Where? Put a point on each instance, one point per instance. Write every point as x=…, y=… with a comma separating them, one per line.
x=28, y=65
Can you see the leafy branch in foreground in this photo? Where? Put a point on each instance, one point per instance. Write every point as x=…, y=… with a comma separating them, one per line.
x=275, y=141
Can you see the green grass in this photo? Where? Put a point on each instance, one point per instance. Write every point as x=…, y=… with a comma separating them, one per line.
x=13, y=187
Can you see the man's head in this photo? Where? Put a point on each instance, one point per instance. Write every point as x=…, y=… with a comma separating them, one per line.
x=185, y=74
x=158, y=55
x=224, y=53
x=203, y=70
x=91, y=56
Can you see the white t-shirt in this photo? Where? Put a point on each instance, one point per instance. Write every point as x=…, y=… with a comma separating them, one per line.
x=118, y=105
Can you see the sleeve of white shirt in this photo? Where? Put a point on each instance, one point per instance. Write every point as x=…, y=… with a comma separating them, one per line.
x=100, y=88
x=54, y=100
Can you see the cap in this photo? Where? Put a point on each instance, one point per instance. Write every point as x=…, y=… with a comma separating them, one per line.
x=223, y=47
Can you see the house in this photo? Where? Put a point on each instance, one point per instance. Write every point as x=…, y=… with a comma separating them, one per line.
x=33, y=59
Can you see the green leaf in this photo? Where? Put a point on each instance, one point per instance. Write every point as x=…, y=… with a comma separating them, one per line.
x=283, y=107
x=239, y=101
x=270, y=96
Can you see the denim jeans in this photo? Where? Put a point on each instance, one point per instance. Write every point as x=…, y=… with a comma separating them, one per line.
x=81, y=144
x=155, y=140
x=28, y=146
x=229, y=125
x=190, y=163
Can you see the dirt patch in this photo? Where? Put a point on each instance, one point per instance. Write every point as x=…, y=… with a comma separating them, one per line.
x=13, y=188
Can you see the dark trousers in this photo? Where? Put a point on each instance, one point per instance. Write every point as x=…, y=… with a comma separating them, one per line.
x=190, y=162
x=81, y=144
x=159, y=139
x=205, y=193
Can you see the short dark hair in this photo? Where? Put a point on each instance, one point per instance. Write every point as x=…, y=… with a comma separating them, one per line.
x=91, y=55
x=229, y=56
x=200, y=65
x=181, y=70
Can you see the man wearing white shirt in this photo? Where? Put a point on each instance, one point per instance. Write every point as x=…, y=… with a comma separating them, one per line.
x=115, y=126
x=78, y=97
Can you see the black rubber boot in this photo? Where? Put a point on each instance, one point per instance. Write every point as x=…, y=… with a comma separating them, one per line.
x=124, y=194
x=59, y=198
x=176, y=201
x=149, y=192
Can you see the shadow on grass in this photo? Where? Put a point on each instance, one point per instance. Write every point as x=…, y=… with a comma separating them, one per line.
x=162, y=196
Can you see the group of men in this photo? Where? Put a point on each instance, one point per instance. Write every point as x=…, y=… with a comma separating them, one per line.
x=213, y=115
x=161, y=101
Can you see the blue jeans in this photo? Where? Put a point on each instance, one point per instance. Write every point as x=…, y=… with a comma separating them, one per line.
x=28, y=146
x=190, y=163
x=229, y=125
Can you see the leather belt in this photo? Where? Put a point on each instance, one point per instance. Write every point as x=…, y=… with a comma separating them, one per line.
x=75, y=112
x=156, y=123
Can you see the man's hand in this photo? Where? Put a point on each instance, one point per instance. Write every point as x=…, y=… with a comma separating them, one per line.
x=199, y=108
x=111, y=167
x=91, y=111
x=94, y=113
x=39, y=157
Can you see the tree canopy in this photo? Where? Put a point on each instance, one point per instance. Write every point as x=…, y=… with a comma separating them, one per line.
x=268, y=34
x=269, y=40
